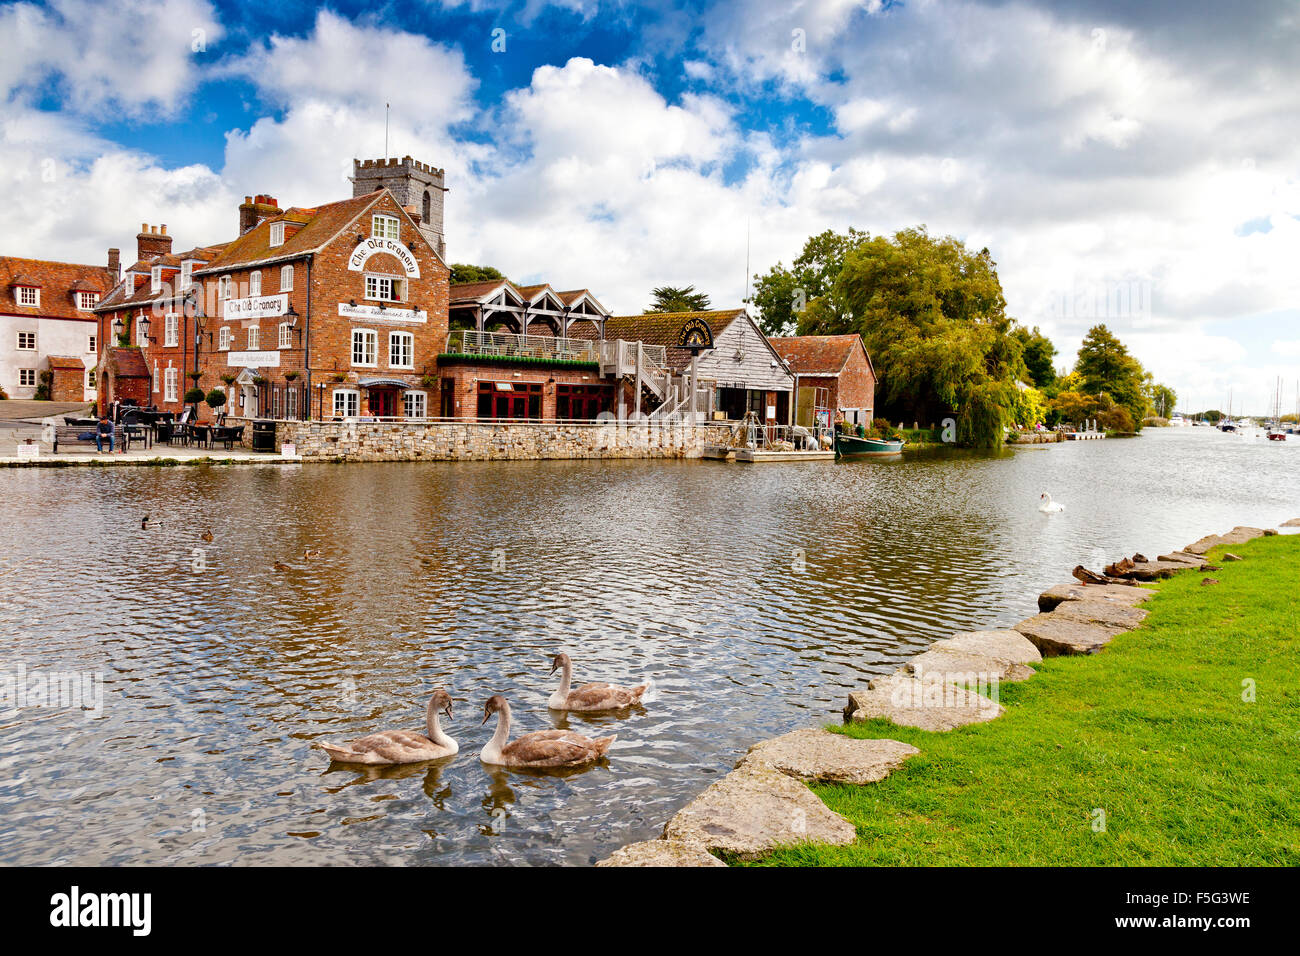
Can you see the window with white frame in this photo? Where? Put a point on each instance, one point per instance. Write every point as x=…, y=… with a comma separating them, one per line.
x=171, y=384
x=187, y=274
x=255, y=283
x=291, y=403
x=154, y=378
x=286, y=278
x=224, y=335
x=365, y=347
x=27, y=341
x=172, y=330
x=92, y=344
x=415, y=404
x=386, y=227
x=384, y=288
x=90, y=378
x=253, y=337
x=286, y=336
x=401, y=350
x=223, y=286
x=155, y=279
x=347, y=401
x=141, y=339
x=87, y=300
x=26, y=376
x=29, y=295
x=277, y=234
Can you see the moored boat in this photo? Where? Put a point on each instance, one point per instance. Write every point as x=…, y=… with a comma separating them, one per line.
x=852, y=446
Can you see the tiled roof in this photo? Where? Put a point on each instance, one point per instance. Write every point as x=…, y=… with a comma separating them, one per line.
x=128, y=363
x=57, y=282
x=319, y=226
x=65, y=361
x=143, y=294
x=663, y=328
x=474, y=291
x=817, y=354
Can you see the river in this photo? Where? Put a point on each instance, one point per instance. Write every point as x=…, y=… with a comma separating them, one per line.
x=755, y=596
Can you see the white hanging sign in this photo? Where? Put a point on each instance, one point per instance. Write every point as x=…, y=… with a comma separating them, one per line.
x=256, y=307
x=254, y=359
x=366, y=249
x=374, y=313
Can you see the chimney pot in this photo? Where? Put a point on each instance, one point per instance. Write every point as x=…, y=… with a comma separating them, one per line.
x=163, y=227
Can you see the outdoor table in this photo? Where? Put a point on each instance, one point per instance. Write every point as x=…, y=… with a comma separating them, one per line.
x=202, y=435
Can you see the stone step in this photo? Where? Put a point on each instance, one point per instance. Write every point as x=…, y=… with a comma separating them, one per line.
x=928, y=703
x=1102, y=612
x=755, y=809
x=818, y=756
x=1004, y=645
x=1055, y=635
x=661, y=853
x=959, y=667
x=1124, y=594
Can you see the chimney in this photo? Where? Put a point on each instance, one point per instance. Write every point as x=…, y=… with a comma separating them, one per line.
x=255, y=210
x=152, y=242
x=115, y=265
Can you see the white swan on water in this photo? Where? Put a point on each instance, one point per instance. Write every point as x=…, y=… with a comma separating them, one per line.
x=1049, y=507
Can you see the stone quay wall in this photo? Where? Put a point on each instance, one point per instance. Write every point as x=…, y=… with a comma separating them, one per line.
x=484, y=441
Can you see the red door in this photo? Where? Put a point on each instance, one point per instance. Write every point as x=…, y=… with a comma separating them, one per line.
x=383, y=403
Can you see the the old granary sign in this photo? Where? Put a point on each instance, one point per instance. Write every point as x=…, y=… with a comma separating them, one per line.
x=695, y=335
x=255, y=307
x=369, y=247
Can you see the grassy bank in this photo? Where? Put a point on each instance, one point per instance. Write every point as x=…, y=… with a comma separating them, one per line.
x=1153, y=731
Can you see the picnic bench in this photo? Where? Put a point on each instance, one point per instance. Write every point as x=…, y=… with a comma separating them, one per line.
x=78, y=436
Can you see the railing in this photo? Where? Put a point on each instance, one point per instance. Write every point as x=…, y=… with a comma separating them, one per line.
x=619, y=357
x=510, y=345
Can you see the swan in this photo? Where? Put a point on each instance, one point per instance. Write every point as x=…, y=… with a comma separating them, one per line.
x=1049, y=507
x=595, y=696
x=401, y=746
x=542, y=749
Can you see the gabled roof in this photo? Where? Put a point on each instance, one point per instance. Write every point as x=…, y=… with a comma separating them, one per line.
x=57, y=282
x=819, y=354
x=126, y=294
x=126, y=363
x=319, y=226
x=574, y=296
x=481, y=292
x=663, y=328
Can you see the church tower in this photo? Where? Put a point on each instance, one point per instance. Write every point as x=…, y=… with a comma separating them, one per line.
x=418, y=186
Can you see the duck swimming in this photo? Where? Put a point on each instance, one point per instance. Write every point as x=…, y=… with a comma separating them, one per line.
x=589, y=697
x=401, y=746
x=543, y=749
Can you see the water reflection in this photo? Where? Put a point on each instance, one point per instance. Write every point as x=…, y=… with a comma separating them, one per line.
x=754, y=596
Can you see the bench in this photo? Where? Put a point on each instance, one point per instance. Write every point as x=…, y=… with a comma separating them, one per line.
x=70, y=436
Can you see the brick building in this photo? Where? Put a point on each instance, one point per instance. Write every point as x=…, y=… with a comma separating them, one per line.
x=834, y=378
x=48, y=328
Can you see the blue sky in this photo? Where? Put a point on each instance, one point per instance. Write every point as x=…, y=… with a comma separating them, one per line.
x=1090, y=144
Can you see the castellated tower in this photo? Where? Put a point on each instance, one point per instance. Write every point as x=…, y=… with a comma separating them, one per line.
x=417, y=186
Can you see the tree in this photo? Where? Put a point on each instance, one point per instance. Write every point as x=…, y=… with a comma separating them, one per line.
x=1038, y=352
x=1163, y=400
x=934, y=319
x=1105, y=366
x=462, y=272
x=194, y=396
x=216, y=399
x=674, y=299
x=783, y=294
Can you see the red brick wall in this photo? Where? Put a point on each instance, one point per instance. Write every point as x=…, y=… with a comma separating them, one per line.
x=67, y=384
x=467, y=378
x=857, y=387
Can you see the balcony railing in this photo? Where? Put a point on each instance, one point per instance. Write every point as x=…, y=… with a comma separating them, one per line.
x=509, y=345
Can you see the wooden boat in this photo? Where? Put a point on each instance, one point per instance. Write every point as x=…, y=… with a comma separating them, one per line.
x=851, y=446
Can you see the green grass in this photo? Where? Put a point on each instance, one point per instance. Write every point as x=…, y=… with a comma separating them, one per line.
x=1154, y=731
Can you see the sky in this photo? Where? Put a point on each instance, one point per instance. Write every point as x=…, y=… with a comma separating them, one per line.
x=1129, y=163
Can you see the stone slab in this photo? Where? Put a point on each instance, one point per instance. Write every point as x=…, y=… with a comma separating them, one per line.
x=1184, y=557
x=926, y=703
x=1238, y=535
x=1290, y=523
x=1005, y=645
x=1102, y=612
x=1124, y=594
x=1154, y=570
x=1055, y=636
x=661, y=853
x=966, y=669
x=818, y=756
x=755, y=809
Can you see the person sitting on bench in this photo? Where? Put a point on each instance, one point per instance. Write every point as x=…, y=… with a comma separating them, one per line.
x=104, y=427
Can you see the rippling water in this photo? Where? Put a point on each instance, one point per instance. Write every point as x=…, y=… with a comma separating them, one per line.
x=756, y=597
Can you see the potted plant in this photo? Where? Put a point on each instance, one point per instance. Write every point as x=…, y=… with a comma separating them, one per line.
x=228, y=379
x=260, y=380
x=290, y=375
x=338, y=378
x=193, y=397
x=216, y=399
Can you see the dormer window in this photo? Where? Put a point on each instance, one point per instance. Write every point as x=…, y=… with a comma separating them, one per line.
x=155, y=279
x=187, y=274
x=277, y=234
x=87, y=300
x=386, y=227
x=28, y=295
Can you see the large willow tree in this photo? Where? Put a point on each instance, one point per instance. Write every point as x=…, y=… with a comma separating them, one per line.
x=934, y=319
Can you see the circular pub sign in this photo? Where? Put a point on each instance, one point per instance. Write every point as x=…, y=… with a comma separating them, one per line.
x=695, y=335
